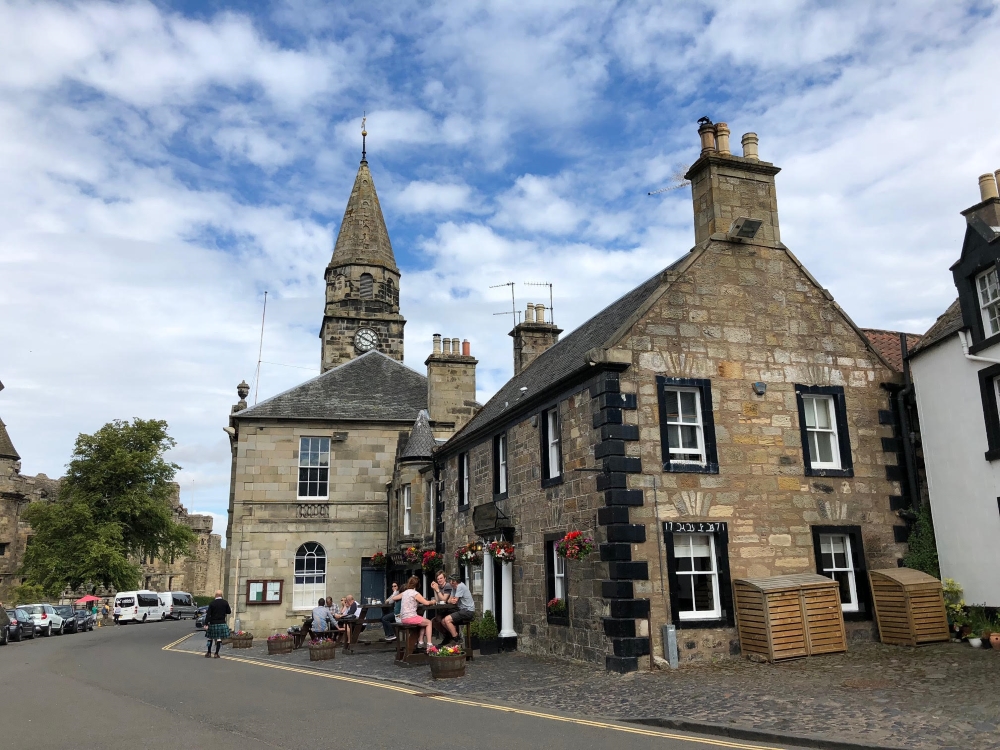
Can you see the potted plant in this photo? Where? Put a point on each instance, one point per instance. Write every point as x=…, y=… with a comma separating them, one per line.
x=575, y=546
x=557, y=608
x=279, y=643
x=432, y=562
x=954, y=604
x=447, y=661
x=995, y=634
x=502, y=551
x=322, y=649
x=474, y=633
x=241, y=639
x=980, y=625
x=379, y=560
x=489, y=635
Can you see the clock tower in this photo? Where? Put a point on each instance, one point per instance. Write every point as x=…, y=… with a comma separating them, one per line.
x=362, y=283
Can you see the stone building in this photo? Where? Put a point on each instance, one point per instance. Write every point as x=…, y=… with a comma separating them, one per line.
x=724, y=419
x=313, y=468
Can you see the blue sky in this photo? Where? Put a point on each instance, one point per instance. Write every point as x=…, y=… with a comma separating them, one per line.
x=163, y=164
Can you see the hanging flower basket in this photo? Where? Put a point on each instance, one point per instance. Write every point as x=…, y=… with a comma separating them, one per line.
x=432, y=561
x=279, y=644
x=575, y=546
x=469, y=554
x=322, y=649
x=379, y=560
x=411, y=555
x=241, y=639
x=502, y=551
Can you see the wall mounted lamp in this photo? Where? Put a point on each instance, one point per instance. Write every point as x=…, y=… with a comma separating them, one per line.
x=760, y=388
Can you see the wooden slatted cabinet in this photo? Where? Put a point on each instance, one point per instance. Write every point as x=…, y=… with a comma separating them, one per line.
x=909, y=607
x=786, y=617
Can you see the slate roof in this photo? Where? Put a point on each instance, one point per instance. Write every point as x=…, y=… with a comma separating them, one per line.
x=374, y=387
x=7, y=449
x=421, y=443
x=887, y=344
x=567, y=356
x=950, y=322
x=363, y=238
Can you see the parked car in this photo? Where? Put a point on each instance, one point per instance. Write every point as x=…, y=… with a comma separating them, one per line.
x=4, y=629
x=84, y=620
x=70, y=623
x=21, y=626
x=46, y=620
x=199, y=620
x=177, y=605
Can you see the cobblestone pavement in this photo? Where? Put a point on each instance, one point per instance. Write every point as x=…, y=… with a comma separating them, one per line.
x=938, y=696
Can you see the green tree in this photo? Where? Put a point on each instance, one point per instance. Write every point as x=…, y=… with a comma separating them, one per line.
x=922, y=547
x=113, y=507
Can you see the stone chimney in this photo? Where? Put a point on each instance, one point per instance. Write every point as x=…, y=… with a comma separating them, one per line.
x=451, y=381
x=726, y=187
x=988, y=208
x=532, y=337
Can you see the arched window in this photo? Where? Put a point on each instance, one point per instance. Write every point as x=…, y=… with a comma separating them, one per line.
x=367, y=286
x=310, y=575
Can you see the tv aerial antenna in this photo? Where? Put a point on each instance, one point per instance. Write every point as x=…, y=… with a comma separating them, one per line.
x=677, y=181
x=552, y=313
x=513, y=305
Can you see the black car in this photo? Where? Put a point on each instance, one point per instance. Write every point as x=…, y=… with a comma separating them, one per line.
x=21, y=626
x=199, y=620
x=84, y=620
x=68, y=614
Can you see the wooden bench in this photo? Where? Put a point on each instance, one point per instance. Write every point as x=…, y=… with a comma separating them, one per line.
x=407, y=637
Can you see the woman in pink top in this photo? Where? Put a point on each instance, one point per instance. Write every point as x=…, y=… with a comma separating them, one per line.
x=408, y=610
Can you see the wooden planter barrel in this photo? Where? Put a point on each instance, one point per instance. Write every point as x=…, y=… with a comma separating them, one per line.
x=322, y=652
x=242, y=642
x=443, y=667
x=279, y=647
x=909, y=607
x=786, y=617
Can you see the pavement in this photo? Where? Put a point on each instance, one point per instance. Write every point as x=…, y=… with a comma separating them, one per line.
x=121, y=688
x=937, y=696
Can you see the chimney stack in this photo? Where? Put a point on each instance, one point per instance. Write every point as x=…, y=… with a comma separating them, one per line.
x=451, y=382
x=988, y=208
x=532, y=337
x=988, y=186
x=726, y=187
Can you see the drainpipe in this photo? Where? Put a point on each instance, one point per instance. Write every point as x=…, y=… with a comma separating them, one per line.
x=904, y=427
x=966, y=340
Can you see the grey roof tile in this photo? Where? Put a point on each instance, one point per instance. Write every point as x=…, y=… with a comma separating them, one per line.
x=948, y=323
x=421, y=443
x=6, y=446
x=373, y=387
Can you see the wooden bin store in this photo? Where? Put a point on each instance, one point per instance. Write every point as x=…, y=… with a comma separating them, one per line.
x=786, y=617
x=909, y=607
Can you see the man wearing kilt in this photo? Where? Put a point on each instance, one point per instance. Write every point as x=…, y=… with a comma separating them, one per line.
x=215, y=618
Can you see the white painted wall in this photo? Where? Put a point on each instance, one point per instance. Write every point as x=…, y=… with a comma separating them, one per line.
x=963, y=485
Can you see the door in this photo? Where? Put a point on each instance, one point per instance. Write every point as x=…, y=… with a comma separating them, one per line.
x=372, y=587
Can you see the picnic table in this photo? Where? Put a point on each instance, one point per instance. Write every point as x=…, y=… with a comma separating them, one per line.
x=354, y=625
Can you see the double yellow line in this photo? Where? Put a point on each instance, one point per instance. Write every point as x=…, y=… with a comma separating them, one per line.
x=477, y=704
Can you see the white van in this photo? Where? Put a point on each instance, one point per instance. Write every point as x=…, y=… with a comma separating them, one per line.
x=138, y=606
x=177, y=605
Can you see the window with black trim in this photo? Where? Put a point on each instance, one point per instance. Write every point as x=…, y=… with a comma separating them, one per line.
x=840, y=555
x=500, y=465
x=989, y=388
x=687, y=425
x=989, y=301
x=555, y=582
x=698, y=573
x=463, y=480
x=826, y=442
x=551, y=448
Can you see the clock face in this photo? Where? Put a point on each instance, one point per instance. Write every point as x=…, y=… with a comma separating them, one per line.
x=365, y=340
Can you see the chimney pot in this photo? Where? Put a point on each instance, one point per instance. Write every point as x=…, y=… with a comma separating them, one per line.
x=539, y=313
x=988, y=187
x=466, y=348
x=722, y=139
x=529, y=313
x=456, y=347
x=750, y=147
x=707, y=133
x=437, y=343
x=447, y=346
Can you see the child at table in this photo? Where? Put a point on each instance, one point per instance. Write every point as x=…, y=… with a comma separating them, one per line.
x=408, y=610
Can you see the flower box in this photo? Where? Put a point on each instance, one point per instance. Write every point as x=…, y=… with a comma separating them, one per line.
x=446, y=667
x=322, y=651
x=279, y=645
x=241, y=640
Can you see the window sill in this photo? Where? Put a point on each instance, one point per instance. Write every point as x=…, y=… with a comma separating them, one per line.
x=554, y=620
x=810, y=472
x=681, y=468
x=720, y=622
x=463, y=508
x=498, y=496
x=552, y=481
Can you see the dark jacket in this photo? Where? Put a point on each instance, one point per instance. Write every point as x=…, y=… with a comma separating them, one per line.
x=217, y=611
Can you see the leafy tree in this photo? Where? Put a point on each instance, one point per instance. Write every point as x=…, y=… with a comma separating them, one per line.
x=922, y=548
x=113, y=507
x=27, y=593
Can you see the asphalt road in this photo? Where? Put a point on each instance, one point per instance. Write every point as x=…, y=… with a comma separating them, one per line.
x=118, y=688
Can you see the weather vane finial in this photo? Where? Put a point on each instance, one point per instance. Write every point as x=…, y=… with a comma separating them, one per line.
x=364, y=135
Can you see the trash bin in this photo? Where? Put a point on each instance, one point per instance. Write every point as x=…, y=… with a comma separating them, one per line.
x=909, y=607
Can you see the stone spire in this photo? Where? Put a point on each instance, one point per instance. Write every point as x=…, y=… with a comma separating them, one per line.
x=6, y=446
x=363, y=238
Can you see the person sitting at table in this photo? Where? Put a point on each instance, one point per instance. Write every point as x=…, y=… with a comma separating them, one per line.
x=350, y=610
x=389, y=618
x=442, y=595
x=321, y=618
x=466, y=609
x=408, y=610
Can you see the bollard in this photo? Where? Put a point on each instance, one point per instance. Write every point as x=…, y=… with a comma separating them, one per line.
x=670, y=645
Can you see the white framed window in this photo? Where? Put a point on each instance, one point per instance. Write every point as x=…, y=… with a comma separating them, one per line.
x=552, y=444
x=685, y=431
x=463, y=479
x=407, y=510
x=837, y=562
x=558, y=573
x=314, y=467
x=821, y=432
x=310, y=575
x=697, y=577
x=500, y=464
x=989, y=301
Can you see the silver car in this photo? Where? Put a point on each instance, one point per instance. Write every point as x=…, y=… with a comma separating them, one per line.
x=47, y=621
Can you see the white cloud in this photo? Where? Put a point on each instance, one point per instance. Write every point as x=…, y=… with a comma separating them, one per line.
x=534, y=205
x=420, y=197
